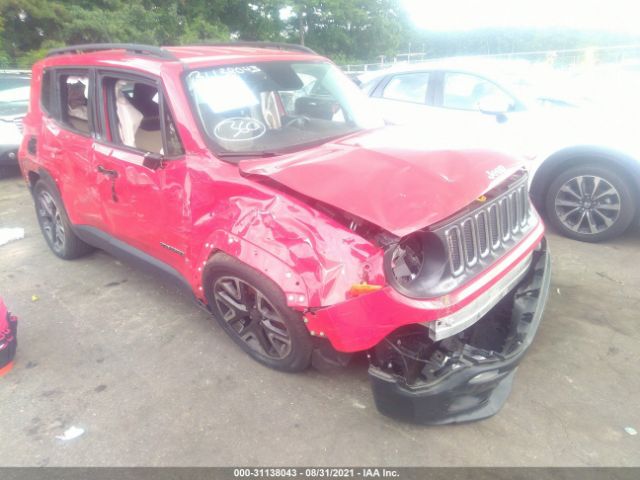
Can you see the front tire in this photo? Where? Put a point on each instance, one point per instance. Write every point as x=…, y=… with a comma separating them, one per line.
x=253, y=311
x=590, y=203
x=55, y=225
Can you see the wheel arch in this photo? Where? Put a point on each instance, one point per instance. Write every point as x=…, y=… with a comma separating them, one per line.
x=44, y=175
x=33, y=178
x=572, y=156
x=290, y=282
x=312, y=257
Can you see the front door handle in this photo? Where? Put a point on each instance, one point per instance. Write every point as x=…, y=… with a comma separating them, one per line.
x=107, y=172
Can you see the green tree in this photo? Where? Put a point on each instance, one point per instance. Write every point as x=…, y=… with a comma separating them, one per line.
x=348, y=28
x=345, y=30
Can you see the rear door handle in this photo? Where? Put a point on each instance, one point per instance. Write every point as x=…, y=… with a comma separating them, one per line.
x=107, y=172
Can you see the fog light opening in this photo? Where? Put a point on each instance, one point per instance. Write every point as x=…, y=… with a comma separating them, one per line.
x=484, y=377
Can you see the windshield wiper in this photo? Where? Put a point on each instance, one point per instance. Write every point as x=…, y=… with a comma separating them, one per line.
x=247, y=154
x=290, y=149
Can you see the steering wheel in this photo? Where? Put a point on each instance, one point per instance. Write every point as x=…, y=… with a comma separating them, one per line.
x=299, y=121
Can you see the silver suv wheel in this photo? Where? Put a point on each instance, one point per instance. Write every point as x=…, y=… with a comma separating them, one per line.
x=587, y=204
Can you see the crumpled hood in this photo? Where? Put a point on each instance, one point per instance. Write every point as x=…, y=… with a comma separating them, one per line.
x=389, y=177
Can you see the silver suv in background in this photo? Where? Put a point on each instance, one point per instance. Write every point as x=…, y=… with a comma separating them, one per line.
x=14, y=103
x=583, y=157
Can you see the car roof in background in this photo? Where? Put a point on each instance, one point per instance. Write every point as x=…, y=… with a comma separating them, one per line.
x=482, y=66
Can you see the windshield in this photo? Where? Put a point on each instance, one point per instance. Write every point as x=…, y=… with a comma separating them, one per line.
x=276, y=107
x=14, y=101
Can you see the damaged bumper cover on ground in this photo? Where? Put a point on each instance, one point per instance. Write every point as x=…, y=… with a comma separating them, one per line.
x=468, y=376
x=8, y=339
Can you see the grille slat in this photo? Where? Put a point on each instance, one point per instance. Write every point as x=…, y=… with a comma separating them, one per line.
x=454, y=243
x=469, y=229
x=484, y=235
x=505, y=216
x=492, y=228
x=514, y=209
x=524, y=194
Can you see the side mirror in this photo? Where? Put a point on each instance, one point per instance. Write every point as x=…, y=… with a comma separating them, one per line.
x=494, y=105
x=153, y=161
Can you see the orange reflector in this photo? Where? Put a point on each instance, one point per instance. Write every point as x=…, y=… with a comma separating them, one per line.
x=362, y=288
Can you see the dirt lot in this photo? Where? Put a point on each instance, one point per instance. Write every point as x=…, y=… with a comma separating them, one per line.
x=154, y=381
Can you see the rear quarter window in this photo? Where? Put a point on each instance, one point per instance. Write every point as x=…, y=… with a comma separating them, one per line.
x=75, y=106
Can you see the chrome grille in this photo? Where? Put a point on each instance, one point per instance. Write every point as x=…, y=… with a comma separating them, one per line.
x=484, y=235
x=454, y=244
x=490, y=229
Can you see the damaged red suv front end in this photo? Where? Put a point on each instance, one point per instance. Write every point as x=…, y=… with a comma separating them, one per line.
x=260, y=178
x=449, y=302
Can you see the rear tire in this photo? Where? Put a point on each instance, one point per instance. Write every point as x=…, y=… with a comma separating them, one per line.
x=590, y=203
x=55, y=225
x=253, y=311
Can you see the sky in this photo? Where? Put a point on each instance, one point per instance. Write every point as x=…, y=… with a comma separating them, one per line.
x=614, y=15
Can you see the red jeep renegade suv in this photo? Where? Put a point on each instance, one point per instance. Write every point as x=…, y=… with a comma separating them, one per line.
x=258, y=176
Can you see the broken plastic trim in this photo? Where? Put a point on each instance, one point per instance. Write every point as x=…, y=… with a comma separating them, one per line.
x=465, y=377
x=325, y=358
x=8, y=337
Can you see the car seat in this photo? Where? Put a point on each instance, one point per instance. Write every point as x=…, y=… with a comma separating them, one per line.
x=129, y=117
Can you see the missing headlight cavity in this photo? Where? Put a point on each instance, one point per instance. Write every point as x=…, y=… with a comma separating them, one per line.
x=411, y=356
x=416, y=264
x=407, y=260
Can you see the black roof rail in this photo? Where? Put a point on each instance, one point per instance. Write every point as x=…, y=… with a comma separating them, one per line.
x=129, y=47
x=294, y=47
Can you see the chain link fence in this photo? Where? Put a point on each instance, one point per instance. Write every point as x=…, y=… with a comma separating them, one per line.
x=557, y=58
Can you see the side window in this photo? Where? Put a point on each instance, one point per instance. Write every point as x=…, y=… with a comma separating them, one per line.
x=409, y=87
x=74, y=90
x=134, y=116
x=464, y=92
x=45, y=94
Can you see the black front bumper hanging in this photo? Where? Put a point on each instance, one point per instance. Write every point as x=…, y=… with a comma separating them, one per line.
x=468, y=376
